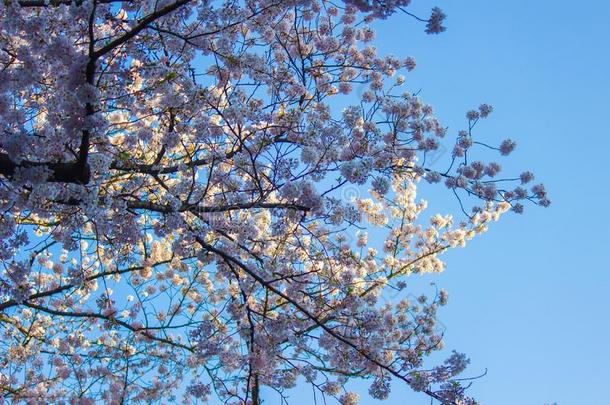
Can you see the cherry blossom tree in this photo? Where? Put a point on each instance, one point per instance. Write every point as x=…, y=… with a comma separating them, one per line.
x=186, y=189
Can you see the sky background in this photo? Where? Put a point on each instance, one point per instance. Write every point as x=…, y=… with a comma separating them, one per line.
x=528, y=300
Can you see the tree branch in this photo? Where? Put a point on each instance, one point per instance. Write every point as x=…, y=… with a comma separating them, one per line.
x=71, y=172
x=143, y=24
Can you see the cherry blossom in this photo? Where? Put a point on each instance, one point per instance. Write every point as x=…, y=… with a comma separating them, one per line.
x=201, y=198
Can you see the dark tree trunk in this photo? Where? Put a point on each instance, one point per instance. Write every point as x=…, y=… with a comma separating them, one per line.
x=255, y=391
x=73, y=172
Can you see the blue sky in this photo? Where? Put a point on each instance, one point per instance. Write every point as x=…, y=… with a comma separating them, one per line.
x=528, y=300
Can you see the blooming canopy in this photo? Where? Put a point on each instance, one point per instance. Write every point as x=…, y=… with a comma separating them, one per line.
x=186, y=189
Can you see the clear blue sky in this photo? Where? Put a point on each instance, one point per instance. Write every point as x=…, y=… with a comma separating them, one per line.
x=528, y=300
